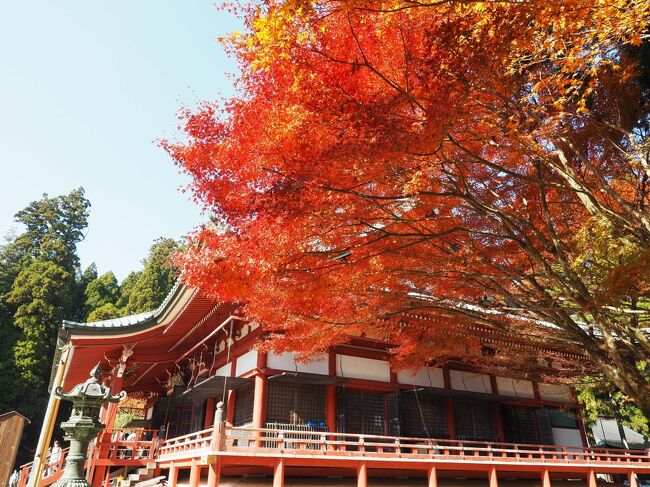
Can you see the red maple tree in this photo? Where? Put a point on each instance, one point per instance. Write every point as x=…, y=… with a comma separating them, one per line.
x=476, y=165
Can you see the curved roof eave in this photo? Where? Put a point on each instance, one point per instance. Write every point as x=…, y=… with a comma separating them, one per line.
x=131, y=323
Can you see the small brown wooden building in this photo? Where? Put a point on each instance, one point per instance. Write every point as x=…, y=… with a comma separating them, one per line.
x=11, y=430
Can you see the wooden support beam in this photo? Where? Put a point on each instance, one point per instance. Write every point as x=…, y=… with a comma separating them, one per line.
x=259, y=397
x=259, y=401
x=632, y=480
x=591, y=479
x=230, y=407
x=209, y=413
x=362, y=475
x=195, y=474
x=492, y=475
x=546, y=478
x=331, y=408
x=107, y=478
x=432, y=477
x=173, y=476
x=214, y=474
x=278, y=474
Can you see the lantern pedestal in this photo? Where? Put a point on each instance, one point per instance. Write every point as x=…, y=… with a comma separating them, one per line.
x=83, y=425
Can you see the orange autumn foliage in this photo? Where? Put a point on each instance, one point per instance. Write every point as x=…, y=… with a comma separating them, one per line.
x=433, y=158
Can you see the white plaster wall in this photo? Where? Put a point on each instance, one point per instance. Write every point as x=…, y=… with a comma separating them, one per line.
x=424, y=376
x=246, y=362
x=286, y=361
x=362, y=368
x=515, y=388
x=224, y=370
x=149, y=413
x=470, y=381
x=567, y=437
x=555, y=392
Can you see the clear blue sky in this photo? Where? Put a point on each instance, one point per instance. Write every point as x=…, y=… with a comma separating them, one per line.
x=86, y=87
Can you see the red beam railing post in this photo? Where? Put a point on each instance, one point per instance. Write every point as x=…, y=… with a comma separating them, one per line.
x=278, y=474
x=217, y=428
x=492, y=475
x=591, y=478
x=362, y=475
x=432, y=477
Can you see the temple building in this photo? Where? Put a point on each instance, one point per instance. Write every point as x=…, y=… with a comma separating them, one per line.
x=219, y=411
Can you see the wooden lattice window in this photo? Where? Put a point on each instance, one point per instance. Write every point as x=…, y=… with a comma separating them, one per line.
x=365, y=412
x=244, y=405
x=290, y=403
x=197, y=416
x=520, y=424
x=422, y=415
x=474, y=420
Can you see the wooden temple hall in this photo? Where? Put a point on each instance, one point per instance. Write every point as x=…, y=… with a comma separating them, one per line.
x=219, y=412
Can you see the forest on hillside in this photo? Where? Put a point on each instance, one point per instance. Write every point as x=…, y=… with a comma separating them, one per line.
x=42, y=283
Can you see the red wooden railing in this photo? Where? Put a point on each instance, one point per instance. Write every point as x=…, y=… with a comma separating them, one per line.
x=123, y=444
x=51, y=471
x=285, y=441
x=112, y=448
x=193, y=443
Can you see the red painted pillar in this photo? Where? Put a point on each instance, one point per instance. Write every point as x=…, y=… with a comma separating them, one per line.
x=448, y=404
x=331, y=408
x=496, y=411
x=432, y=477
x=107, y=415
x=498, y=421
x=209, y=413
x=195, y=474
x=259, y=398
x=330, y=398
x=546, y=478
x=230, y=407
x=278, y=474
x=450, y=417
x=259, y=404
x=492, y=475
x=214, y=474
x=362, y=475
x=591, y=479
x=173, y=475
x=116, y=387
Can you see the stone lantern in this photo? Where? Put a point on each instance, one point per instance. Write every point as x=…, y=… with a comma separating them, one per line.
x=83, y=425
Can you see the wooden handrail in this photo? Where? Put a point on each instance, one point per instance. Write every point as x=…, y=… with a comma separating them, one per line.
x=207, y=432
x=294, y=441
x=51, y=472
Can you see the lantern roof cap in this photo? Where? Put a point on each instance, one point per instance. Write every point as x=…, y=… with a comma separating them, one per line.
x=92, y=390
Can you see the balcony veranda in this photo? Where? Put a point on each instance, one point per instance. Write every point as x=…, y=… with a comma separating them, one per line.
x=278, y=449
x=226, y=447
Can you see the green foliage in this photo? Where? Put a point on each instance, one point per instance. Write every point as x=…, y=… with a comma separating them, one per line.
x=600, y=399
x=90, y=273
x=40, y=285
x=42, y=294
x=104, y=312
x=101, y=291
x=156, y=280
x=139, y=292
x=54, y=226
x=614, y=267
x=127, y=287
x=122, y=419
